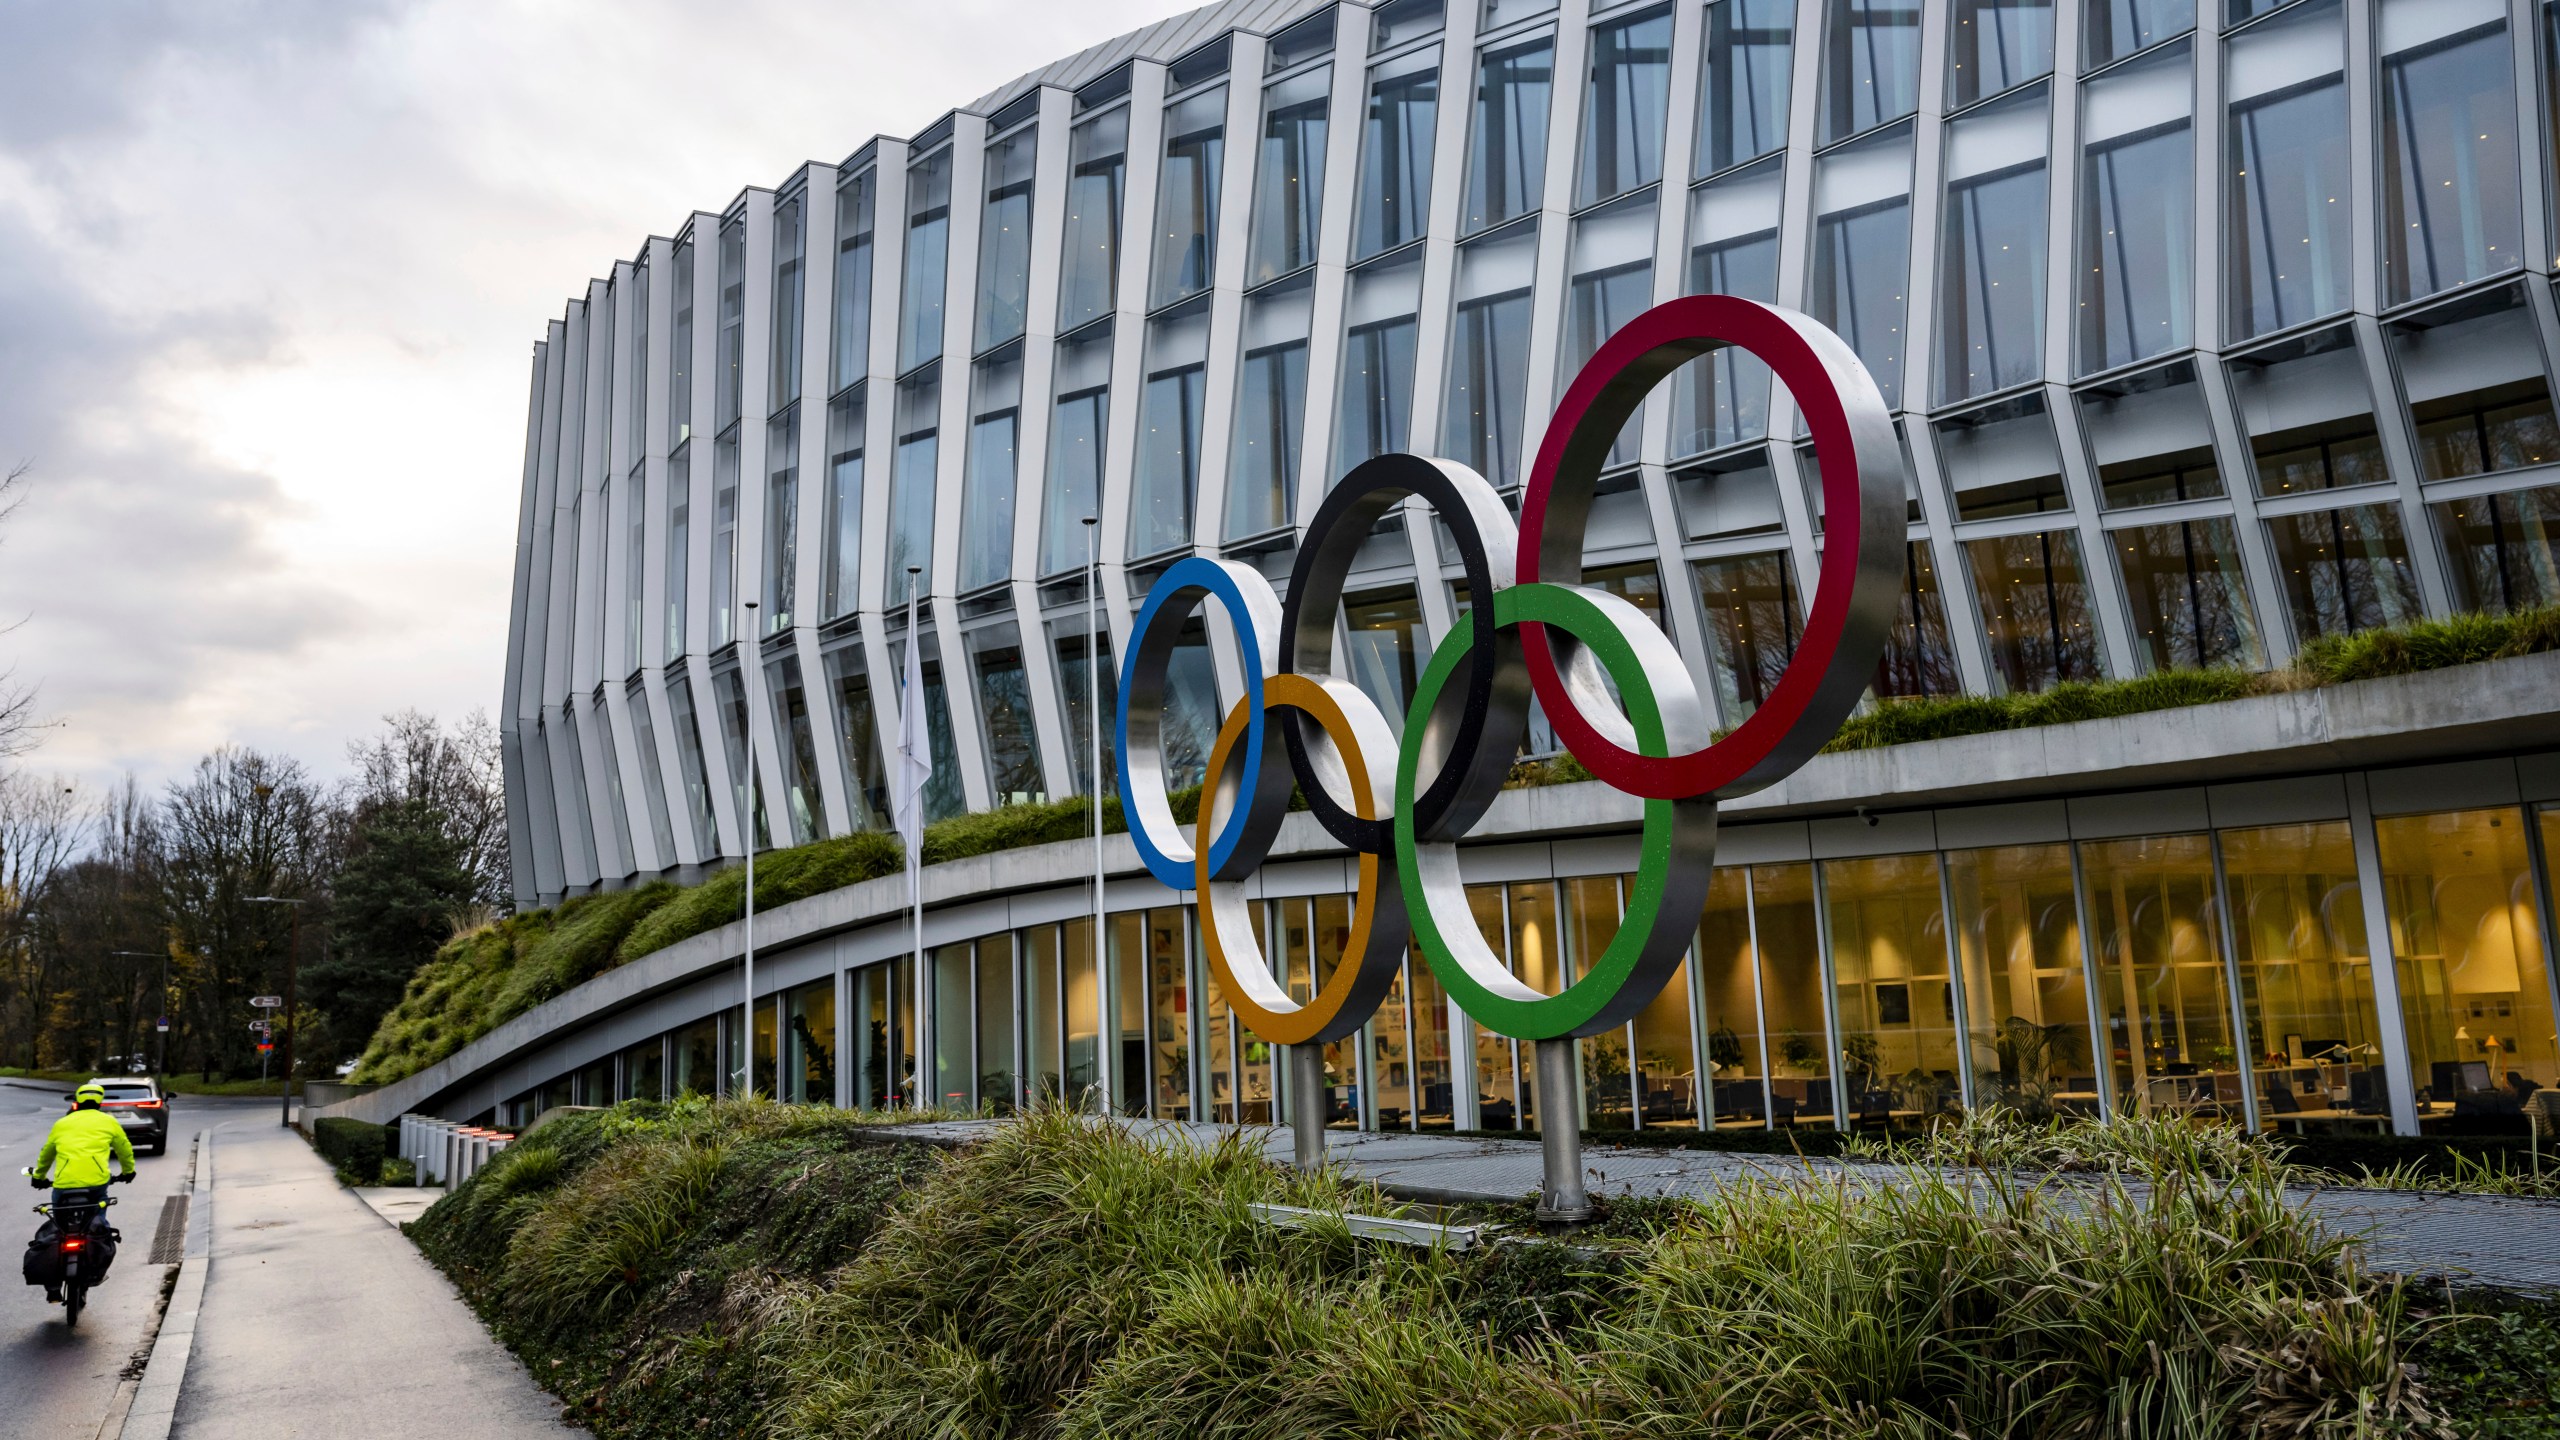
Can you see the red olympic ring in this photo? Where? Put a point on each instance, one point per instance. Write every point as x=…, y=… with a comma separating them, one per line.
x=1862, y=560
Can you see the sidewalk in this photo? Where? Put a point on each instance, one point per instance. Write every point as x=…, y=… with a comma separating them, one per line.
x=320, y=1322
x=2477, y=1239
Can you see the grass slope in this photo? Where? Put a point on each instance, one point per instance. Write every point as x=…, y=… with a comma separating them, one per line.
x=741, y=1269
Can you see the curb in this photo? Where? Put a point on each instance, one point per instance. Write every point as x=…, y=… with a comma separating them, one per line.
x=155, y=1403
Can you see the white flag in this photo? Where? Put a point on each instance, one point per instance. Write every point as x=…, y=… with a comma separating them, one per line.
x=915, y=754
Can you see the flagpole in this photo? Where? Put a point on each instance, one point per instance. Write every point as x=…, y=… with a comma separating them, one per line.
x=915, y=856
x=747, y=825
x=1093, y=695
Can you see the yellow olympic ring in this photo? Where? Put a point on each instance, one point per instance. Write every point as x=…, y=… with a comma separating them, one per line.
x=1353, y=730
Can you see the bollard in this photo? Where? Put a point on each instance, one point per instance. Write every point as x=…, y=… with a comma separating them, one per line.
x=1307, y=1104
x=1561, y=1198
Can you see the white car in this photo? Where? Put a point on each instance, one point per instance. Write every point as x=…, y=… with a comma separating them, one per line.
x=137, y=1105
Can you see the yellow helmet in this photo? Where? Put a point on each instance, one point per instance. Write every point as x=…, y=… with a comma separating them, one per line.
x=91, y=1091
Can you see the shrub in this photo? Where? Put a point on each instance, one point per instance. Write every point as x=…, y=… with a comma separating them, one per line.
x=2430, y=645
x=353, y=1148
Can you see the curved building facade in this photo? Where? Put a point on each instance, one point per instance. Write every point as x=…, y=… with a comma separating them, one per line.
x=2210, y=332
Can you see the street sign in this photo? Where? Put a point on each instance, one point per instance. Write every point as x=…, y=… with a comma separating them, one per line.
x=264, y=1046
x=163, y=1026
x=262, y=1027
x=268, y=1002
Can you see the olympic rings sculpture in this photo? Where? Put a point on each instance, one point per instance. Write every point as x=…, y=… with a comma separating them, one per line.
x=1611, y=684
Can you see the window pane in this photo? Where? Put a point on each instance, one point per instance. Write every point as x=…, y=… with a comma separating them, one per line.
x=2190, y=600
x=1395, y=154
x=1997, y=44
x=790, y=254
x=1871, y=65
x=2306, y=974
x=1168, y=462
x=679, y=550
x=1602, y=304
x=859, y=722
x=1075, y=479
x=2003, y=460
x=2118, y=28
x=2475, y=987
x=1187, y=196
x=911, y=516
x=944, y=796
x=1991, y=301
x=635, y=394
x=2161, y=982
x=1898, y=1047
x=729, y=364
x=2291, y=236
x=2151, y=438
x=1742, y=105
x=997, y=1081
x=1288, y=197
x=2502, y=427
x=2451, y=206
x=1004, y=702
x=2309, y=415
x=2035, y=609
x=2344, y=570
x=1625, y=107
x=1485, y=413
x=782, y=525
x=928, y=256
x=1918, y=659
x=1753, y=619
x=790, y=701
x=1736, y=1064
x=1079, y=672
x=1377, y=392
x=986, y=526
x=2026, y=996
x=1861, y=264
x=1004, y=240
x=2137, y=246
x=844, y=505
x=1387, y=648
x=644, y=740
x=853, y=279
x=2505, y=549
x=730, y=692
x=694, y=765
x=1722, y=398
x=724, y=540
x=1271, y=414
x=1791, y=994
x=680, y=351
x=1097, y=163
x=953, y=1029
x=635, y=561
x=1507, y=159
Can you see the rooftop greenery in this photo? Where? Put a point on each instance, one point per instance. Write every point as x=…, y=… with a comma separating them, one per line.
x=493, y=974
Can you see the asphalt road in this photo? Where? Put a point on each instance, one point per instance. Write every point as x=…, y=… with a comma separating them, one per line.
x=56, y=1381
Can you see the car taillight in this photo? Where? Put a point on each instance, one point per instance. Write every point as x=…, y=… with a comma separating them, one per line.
x=146, y=1104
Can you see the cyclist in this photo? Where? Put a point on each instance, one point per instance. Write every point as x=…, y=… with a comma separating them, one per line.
x=77, y=1152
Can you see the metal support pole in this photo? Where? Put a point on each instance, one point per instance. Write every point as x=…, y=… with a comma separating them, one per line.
x=1561, y=1198
x=1307, y=1104
x=747, y=824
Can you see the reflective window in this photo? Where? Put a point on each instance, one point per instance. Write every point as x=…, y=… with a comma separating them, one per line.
x=635, y=393
x=1599, y=306
x=2151, y=438
x=2026, y=995
x=1076, y=431
x=2291, y=226
x=1862, y=252
x=1991, y=304
x=986, y=513
x=2473, y=371
x=1080, y=671
x=635, y=562
x=2002, y=460
x=1376, y=400
x=2190, y=599
x=1796, y=1033
x=692, y=764
x=859, y=723
x=1003, y=703
x=999, y=1087
x=1898, y=1049
x=2117, y=28
x=1753, y=619
x=944, y=796
x=1187, y=196
x=1485, y=415
x=1168, y=463
x=1625, y=106
x=729, y=692
x=1271, y=412
x=1918, y=659
x=1507, y=155
x=1387, y=648
x=928, y=256
x=790, y=257
x=809, y=1047
x=2162, y=985
x=2306, y=973
x=1722, y=398
x=1191, y=710
x=2344, y=570
x=1997, y=44
x=729, y=364
x=1742, y=103
x=1097, y=165
x=2475, y=983
x=844, y=505
x=1004, y=239
x=1736, y=1065
x=854, y=206
x=724, y=540
x=790, y=701
x=1870, y=64
x=2035, y=609
x=911, y=489
x=2504, y=428
x=2504, y=549
x=679, y=550
x=2137, y=213
x=782, y=524
x=680, y=350
x=1288, y=187
x=2309, y=414
x=2451, y=207
x=1395, y=153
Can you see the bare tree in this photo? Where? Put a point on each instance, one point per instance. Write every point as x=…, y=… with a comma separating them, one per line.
x=40, y=829
x=456, y=771
x=244, y=824
x=18, y=722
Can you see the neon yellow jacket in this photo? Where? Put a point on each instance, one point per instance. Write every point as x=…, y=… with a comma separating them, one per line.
x=79, y=1147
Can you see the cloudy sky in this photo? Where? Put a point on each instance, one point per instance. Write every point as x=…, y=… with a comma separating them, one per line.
x=270, y=277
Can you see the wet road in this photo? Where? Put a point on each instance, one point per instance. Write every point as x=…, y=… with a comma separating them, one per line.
x=56, y=1381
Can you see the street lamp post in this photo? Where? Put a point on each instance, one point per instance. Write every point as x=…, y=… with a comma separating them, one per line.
x=292, y=955
x=160, y=1058
x=747, y=1043
x=1093, y=709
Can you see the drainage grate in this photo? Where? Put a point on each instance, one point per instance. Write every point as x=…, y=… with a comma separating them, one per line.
x=169, y=1242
